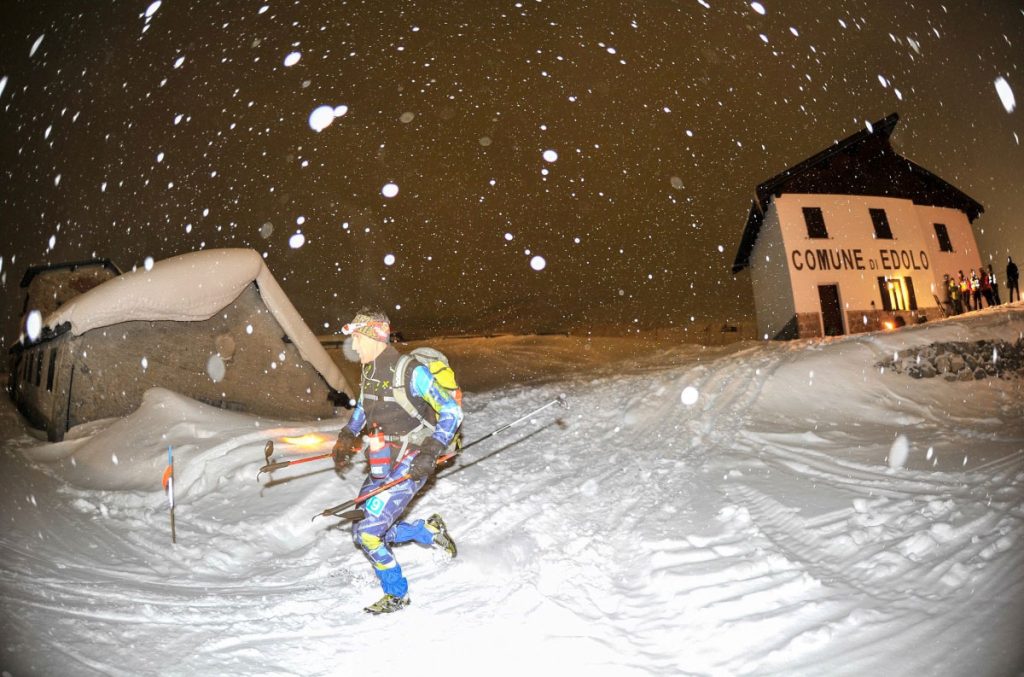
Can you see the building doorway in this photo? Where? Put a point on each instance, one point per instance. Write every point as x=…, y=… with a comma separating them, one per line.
x=831, y=312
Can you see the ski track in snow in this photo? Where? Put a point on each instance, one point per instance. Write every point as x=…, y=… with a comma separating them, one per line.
x=745, y=534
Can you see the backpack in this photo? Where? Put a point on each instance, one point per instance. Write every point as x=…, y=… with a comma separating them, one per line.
x=437, y=362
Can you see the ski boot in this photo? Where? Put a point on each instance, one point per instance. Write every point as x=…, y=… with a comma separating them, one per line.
x=388, y=604
x=442, y=538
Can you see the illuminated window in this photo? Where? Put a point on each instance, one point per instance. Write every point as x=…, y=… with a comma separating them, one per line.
x=897, y=294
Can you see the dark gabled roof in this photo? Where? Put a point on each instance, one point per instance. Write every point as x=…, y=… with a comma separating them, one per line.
x=861, y=164
x=75, y=265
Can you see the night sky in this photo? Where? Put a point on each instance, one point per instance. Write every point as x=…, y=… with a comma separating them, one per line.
x=130, y=131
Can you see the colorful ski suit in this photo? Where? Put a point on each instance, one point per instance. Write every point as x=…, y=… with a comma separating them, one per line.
x=380, y=528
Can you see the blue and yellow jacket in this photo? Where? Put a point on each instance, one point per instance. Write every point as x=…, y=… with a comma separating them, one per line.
x=377, y=403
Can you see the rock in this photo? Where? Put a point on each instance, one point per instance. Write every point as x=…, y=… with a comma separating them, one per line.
x=960, y=361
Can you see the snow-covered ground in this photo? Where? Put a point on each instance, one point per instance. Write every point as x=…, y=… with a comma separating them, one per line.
x=809, y=514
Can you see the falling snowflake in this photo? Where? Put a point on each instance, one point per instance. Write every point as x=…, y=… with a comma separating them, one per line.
x=1005, y=94
x=35, y=45
x=34, y=325
x=322, y=116
x=215, y=368
x=899, y=452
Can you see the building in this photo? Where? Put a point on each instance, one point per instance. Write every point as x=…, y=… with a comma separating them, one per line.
x=212, y=325
x=852, y=238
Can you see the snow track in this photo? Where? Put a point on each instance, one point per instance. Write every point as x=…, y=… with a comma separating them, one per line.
x=762, y=530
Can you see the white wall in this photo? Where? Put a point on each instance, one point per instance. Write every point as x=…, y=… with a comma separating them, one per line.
x=965, y=254
x=769, y=275
x=857, y=258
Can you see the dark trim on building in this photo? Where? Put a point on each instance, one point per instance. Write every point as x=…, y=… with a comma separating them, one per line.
x=32, y=271
x=861, y=164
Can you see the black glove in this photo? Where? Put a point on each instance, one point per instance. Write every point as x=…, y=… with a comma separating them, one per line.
x=346, y=445
x=426, y=459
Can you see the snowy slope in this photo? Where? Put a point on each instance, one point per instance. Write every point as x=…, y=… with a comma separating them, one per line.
x=772, y=526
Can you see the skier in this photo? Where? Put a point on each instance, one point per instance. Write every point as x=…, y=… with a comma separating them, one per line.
x=398, y=444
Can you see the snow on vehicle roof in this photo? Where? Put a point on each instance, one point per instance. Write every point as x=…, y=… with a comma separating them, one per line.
x=191, y=287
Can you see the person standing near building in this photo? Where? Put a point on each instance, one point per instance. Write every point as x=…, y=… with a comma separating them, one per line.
x=986, y=287
x=953, y=295
x=975, y=285
x=397, y=445
x=1012, y=279
x=994, y=284
x=965, y=291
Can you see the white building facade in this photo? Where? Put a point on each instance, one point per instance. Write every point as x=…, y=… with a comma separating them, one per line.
x=853, y=238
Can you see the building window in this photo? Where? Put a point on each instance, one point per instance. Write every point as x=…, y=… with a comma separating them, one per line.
x=897, y=294
x=884, y=293
x=881, y=223
x=39, y=366
x=911, y=295
x=52, y=368
x=943, y=236
x=815, y=222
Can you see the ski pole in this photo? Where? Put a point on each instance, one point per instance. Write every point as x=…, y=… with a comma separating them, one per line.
x=271, y=467
x=558, y=400
x=373, y=492
x=359, y=499
x=268, y=451
x=284, y=464
x=168, y=482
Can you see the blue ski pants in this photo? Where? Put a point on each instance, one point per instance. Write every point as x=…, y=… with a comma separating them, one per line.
x=380, y=528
